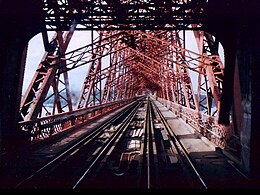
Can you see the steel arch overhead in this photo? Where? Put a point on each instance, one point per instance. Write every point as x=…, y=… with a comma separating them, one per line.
x=46, y=76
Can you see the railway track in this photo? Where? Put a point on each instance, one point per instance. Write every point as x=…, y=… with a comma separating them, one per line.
x=65, y=169
x=145, y=156
x=182, y=172
x=135, y=149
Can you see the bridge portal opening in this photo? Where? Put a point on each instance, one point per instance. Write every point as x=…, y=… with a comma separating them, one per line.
x=67, y=71
x=133, y=48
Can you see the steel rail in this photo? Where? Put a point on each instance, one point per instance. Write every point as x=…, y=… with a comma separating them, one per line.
x=147, y=142
x=107, y=148
x=75, y=147
x=179, y=146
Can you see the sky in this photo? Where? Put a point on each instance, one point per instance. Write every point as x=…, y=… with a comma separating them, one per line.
x=80, y=38
x=35, y=53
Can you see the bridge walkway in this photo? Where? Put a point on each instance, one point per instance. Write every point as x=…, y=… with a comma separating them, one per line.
x=214, y=163
x=219, y=169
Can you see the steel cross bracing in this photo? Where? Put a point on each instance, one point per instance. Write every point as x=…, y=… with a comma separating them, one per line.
x=209, y=46
x=123, y=14
x=45, y=76
x=148, y=61
x=154, y=62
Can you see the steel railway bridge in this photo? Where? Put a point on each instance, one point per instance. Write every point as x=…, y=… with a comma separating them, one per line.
x=145, y=44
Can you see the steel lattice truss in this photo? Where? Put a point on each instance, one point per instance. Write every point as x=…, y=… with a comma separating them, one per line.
x=123, y=14
x=141, y=61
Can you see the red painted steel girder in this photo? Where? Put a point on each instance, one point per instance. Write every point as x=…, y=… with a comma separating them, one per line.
x=46, y=76
x=141, y=60
x=120, y=14
x=153, y=54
